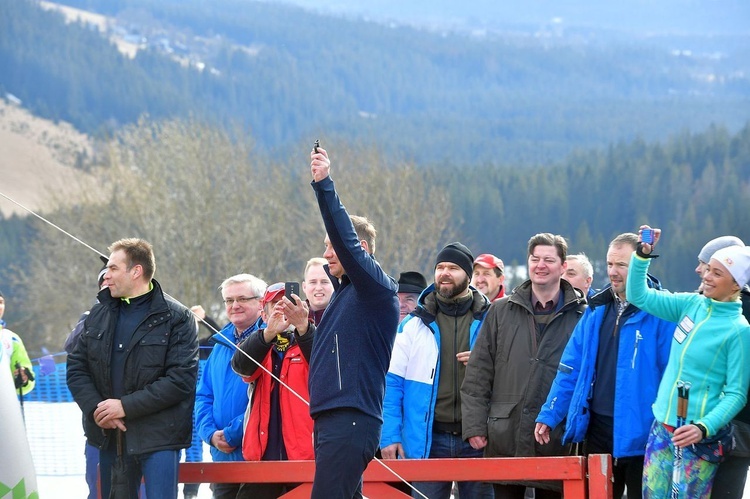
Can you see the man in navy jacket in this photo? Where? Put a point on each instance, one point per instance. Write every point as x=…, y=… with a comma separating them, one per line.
x=351, y=348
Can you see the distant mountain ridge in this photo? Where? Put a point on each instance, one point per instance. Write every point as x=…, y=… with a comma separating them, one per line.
x=636, y=16
x=285, y=74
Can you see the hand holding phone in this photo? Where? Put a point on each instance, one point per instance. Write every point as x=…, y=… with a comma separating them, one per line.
x=647, y=236
x=291, y=288
x=320, y=165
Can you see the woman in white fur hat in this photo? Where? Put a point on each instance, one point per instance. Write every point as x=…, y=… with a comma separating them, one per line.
x=706, y=380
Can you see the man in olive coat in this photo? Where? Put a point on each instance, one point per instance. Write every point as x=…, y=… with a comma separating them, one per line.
x=515, y=359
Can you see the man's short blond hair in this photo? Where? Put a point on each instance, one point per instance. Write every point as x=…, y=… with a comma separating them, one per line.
x=313, y=262
x=365, y=231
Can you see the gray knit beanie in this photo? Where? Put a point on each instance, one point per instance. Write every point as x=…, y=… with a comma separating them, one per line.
x=715, y=245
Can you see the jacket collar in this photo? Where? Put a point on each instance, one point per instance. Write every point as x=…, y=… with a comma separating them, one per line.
x=158, y=300
x=228, y=334
x=522, y=295
x=606, y=295
x=334, y=280
x=427, y=307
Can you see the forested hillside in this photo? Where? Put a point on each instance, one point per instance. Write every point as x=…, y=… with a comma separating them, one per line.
x=213, y=206
x=287, y=75
x=695, y=187
x=633, y=16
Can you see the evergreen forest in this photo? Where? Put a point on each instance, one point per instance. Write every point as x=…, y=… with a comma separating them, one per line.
x=285, y=75
x=435, y=136
x=693, y=186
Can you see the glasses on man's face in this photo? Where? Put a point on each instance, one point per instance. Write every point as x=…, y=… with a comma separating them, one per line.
x=240, y=299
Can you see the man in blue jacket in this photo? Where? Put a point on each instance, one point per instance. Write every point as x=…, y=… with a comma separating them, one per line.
x=222, y=396
x=609, y=374
x=351, y=348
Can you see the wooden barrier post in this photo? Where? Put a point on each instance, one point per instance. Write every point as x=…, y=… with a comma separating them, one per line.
x=600, y=476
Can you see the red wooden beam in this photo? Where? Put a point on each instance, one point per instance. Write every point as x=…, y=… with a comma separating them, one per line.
x=581, y=477
x=246, y=471
x=477, y=469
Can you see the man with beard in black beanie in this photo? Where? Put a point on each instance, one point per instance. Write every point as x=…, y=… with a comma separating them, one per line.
x=436, y=338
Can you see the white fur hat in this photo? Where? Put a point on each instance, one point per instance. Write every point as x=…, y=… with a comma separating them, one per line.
x=736, y=259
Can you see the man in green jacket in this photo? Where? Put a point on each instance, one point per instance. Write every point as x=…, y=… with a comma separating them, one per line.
x=20, y=364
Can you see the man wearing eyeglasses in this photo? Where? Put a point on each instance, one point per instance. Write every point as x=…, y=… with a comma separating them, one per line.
x=222, y=396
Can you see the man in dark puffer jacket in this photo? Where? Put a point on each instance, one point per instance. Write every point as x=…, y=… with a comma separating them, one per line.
x=134, y=368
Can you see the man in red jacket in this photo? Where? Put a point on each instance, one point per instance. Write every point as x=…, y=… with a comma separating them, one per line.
x=279, y=427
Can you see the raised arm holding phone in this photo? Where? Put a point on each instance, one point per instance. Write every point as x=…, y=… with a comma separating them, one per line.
x=351, y=347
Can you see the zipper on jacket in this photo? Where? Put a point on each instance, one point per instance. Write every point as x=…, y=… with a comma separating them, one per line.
x=638, y=338
x=703, y=403
x=680, y=364
x=338, y=363
x=617, y=323
x=427, y=426
x=456, y=384
x=534, y=331
x=590, y=395
x=433, y=396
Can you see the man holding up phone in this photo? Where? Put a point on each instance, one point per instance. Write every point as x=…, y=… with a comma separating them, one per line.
x=351, y=348
x=279, y=426
x=291, y=289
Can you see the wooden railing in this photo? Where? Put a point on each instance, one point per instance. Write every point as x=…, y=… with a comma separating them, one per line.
x=582, y=477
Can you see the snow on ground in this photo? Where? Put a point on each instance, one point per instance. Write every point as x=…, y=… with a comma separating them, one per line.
x=57, y=443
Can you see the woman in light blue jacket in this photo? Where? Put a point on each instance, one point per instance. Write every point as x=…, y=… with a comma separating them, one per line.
x=710, y=354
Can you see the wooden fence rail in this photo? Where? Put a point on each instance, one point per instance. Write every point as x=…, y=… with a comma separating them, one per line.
x=582, y=477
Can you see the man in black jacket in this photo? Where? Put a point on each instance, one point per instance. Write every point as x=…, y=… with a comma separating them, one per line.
x=133, y=373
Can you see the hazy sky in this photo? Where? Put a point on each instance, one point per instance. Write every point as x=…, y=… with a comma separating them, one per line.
x=707, y=16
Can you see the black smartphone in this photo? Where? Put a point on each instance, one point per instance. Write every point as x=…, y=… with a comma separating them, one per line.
x=317, y=144
x=647, y=236
x=291, y=288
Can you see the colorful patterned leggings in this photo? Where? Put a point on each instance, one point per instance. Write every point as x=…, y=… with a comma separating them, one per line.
x=696, y=477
